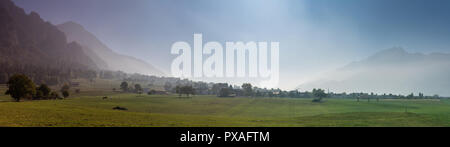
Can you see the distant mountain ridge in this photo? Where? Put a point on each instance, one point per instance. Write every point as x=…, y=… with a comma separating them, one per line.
x=390, y=71
x=26, y=39
x=104, y=57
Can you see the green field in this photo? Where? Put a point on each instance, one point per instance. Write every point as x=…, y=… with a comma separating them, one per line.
x=87, y=109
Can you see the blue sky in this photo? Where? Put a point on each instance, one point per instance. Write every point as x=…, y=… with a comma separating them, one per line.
x=315, y=36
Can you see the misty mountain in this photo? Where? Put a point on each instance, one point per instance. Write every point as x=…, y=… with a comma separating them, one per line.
x=390, y=71
x=27, y=40
x=104, y=57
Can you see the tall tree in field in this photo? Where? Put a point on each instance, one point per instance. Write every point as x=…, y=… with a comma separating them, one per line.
x=318, y=94
x=247, y=87
x=124, y=86
x=138, y=88
x=20, y=86
x=65, y=90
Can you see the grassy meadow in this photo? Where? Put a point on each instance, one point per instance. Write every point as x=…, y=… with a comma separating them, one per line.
x=89, y=109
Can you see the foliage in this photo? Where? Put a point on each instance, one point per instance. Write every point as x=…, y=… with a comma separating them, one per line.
x=124, y=86
x=65, y=90
x=138, y=88
x=225, y=92
x=318, y=94
x=20, y=86
x=180, y=90
x=43, y=91
x=65, y=94
x=247, y=87
x=39, y=95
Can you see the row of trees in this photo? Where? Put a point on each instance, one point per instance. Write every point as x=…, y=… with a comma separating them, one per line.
x=180, y=90
x=22, y=87
x=125, y=88
x=187, y=90
x=249, y=91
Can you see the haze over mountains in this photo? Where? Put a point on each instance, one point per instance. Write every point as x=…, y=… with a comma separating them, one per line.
x=27, y=40
x=104, y=57
x=390, y=71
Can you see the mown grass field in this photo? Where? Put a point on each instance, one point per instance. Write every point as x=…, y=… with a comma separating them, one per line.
x=86, y=109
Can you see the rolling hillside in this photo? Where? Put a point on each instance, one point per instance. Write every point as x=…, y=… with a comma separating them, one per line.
x=102, y=55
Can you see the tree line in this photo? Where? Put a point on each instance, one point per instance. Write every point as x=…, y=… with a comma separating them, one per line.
x=21, y=87
x=50, y=76
x=247, y=90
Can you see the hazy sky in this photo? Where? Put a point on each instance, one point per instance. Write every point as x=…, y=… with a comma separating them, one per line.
x=315, y=35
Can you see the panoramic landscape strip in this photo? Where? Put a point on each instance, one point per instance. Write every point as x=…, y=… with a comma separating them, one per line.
x=224, y=64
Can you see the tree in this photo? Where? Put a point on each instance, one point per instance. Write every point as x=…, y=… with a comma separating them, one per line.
x=188, y=90
x=65, y=90
x=217, y=87
x=293, y=93
x=247, y=87
x=410, y=96
x=178, y=90
x=138, y=88
x=225, y=92
x=20, y=86
x=65, y=94
x=124, y=86
x=318, y=94
x=45, y=90
x=185, y=90
x=258, y=94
